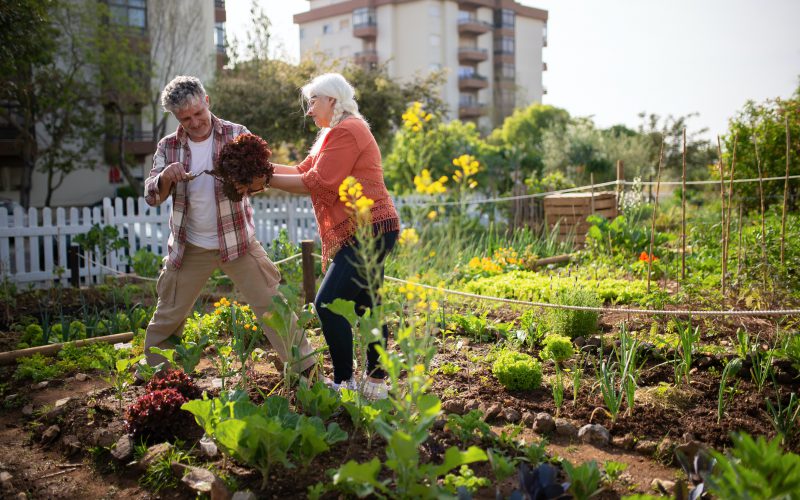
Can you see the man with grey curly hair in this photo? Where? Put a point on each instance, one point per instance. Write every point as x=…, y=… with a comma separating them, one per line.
x=208, y=231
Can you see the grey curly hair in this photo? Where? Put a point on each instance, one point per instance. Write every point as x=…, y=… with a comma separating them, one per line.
x=182, y=92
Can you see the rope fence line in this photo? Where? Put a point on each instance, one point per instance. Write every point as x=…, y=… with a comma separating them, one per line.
x=653, y=312
x=145, y=278
x=592, y=187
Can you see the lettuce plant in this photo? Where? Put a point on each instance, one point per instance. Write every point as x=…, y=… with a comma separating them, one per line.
x=517, y=371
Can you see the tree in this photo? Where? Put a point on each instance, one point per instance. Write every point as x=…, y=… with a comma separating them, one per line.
x=764, y=124
x=524, y=133
x=699, y=152
x=174, y=29
x=47, y=90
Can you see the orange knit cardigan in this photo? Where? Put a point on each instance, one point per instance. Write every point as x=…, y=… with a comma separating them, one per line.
x=349, y=149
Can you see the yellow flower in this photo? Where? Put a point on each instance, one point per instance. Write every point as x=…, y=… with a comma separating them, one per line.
x=432, y=214
x=409, y=237
x=415, y=117
x=351, y=192
x=425, y=184
x=432, y=254
x=466, y=167
x=216, y=304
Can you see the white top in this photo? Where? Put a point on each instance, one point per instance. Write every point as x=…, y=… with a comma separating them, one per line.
x=201, y=227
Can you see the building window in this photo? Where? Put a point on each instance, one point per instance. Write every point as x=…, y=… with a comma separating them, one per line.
x=302, y=33
x=219, y=36
x=465, y=16
x=364, y=17
x=132, y=13
x=467, y=100
x=435, y=40
x=327, y=29
x=508, y=71
x=505, y=45
x=504, y=18
x=344, y=25
x=466, y=71
x=433, y=10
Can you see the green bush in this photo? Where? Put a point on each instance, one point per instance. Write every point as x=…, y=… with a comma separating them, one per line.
x=146, y=263
x=571, y=323
x=755, y=469
x=33, y=335
x=36, y=368
x=517, y=371
x=557, y=347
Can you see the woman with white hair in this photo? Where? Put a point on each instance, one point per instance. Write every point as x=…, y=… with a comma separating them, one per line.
x=344, y=147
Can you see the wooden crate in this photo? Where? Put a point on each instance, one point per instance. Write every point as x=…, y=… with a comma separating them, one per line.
x=570, y=210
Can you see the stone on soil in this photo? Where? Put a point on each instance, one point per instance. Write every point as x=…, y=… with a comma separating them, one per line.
x=512, y=415
x=153, y=453
x=50, y=434
x=543, y=423
x=454, y=406
x=123, y=450
x=594, y=434
x=71, y=445
x=566, y=428
x=27, y=410
x=646, y=447
x=204, y=481
x=244, y=495
x=81, y=377
x=664, y=486
x=528, y=418
x=492, y=412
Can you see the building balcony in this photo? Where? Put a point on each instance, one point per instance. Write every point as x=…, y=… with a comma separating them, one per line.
x=473, y=27
x=504, y=57
x=476, y=3
x=467, y=110
x=366, y=57
x=472, y=55
x=544, y=66
x=138, y=144
x=472, y=82
x=365, y=30
x=10, y=143
x=219, y=11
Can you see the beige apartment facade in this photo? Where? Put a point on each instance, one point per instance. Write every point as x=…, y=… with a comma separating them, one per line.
x=491, y=49
x=184, y=37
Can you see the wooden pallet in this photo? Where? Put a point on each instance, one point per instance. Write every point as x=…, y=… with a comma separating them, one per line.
x=570, y=210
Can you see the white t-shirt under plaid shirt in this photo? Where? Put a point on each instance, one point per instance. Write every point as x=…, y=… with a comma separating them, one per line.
x=235, y=226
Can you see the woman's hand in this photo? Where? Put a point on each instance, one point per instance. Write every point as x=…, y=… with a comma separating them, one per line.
x=258, y=184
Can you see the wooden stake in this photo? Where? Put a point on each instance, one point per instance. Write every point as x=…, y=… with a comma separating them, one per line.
x=722, y=215
x=309, y=279
x=785, y=188
x=655, y=210
x=620, y=179
x=591, y=182
x=8, y=357
x=739, y=250
x=683, y=212
x=730, y=205
x=763, y=225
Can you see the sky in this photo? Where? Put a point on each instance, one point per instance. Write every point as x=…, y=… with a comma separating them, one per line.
x=612, y=59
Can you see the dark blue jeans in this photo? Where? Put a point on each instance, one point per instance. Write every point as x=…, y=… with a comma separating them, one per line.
x=343, y=281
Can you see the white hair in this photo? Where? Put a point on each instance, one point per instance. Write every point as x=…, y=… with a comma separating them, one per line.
x=182, y=92
x=335, y=86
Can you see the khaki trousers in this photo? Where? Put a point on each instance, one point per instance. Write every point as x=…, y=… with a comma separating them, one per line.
x=255, y=276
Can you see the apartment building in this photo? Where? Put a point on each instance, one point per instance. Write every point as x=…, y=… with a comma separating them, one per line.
x=492, y=49
x=183, y=37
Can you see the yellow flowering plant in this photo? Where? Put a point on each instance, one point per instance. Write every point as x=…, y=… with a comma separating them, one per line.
x=502, y=260
x=416, y=117
x=424, y=183
x=408, y=237
x=351, y=192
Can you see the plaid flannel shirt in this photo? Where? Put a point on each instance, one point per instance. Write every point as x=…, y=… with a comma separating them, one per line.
x=235, y=225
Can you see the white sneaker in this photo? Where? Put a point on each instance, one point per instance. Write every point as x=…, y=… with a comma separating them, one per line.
x=375, y=390
x=350, y=384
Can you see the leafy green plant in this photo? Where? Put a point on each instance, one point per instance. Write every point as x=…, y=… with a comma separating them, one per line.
x=576, y=374
x=159, y=474
x=363, y=413
x=609, y=378
x=467, y=426
x=263, y=436
x=517, y=371
x=557, y=347
x=731, y=369
x=784, y=418
x=613, y=470
x=145, y=263
x=761, y=367
x=584, y=479
x=449, y=369
x=688, y=338
x=755, y=469
x=502, y=468
x=118, y=367
x=627, y=357
x=36, y=368
x=466, y=479
x=574, y=323
x=318, y=400
x=558, y=390
x=536, y=453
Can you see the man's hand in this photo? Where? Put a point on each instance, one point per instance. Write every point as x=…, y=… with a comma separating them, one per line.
x=172, y=174
x=258, y=184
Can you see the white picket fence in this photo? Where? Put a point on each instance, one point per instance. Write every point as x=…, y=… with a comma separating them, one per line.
x=34, y=243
